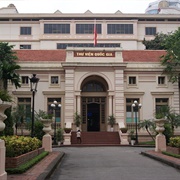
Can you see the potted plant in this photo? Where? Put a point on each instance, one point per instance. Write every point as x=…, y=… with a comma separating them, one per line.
x=124, y=129
x=60, y=136
x=77, y=119
x=111, y=121
x=67, y=130
x=132, y=137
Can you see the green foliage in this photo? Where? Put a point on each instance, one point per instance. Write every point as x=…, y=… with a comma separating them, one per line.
x=171, y=60
x=43, y=114
x=4, y=96
x=132, y=136
x=38, y=132
x=77, y=119
x=174, y=142
x=24, y=167
x=157, y=43
x=167, y=132
x=17, y=145
x=8, y=66
x=171, y=154
x=8, y=122
x=111, y=120
x=59, y=135
x=149, y=125
x=38, y=126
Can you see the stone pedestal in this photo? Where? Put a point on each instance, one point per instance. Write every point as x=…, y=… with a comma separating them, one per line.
x=160, y=138
x=67, y=138
x=47, y=142
x=3, y=174
x=3, y=107
x=47, y=139
x=124, y=138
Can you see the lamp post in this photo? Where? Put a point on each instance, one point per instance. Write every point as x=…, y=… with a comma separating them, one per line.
x=33, y=81
x=136, y=106
x=55, y=105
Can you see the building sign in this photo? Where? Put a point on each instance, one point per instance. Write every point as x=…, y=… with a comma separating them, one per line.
x=94, y=53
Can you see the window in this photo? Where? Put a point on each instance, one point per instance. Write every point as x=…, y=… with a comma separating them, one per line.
x=150, y=30
x=56, y=28
x=160, y=102
x=25, y=80
x=130, y=115
x=120, y=28
x=25, y=104
x=64, y=45
x=54, y=79
x=87, y=28
x=161, y=80
x=93, y=86
x=58, y=109
x=25, y=31
x=25, y=46
x=132, y=80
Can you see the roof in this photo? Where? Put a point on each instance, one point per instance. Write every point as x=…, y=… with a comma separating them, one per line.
x=41, y=55
x=142, y=55
x=60, y=55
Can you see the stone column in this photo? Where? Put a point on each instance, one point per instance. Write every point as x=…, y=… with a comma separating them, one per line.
x=3, y=106
x=160, y=138
x=47, y=139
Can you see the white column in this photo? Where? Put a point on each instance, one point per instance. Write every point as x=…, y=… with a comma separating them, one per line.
x=110, y=105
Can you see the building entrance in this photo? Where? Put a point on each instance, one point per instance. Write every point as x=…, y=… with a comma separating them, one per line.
x=93, y=113
x=93, y=117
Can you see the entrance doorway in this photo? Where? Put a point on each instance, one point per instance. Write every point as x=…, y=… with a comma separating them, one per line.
x=93, y=117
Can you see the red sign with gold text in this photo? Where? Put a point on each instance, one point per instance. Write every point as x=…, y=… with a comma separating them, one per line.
x=94, y=54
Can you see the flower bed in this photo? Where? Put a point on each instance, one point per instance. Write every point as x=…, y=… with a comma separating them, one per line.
x=174, y=145
x=14, y=162
x=173, y=150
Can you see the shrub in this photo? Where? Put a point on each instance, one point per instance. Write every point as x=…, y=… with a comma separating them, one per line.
x=17, y=145
x=174, y=142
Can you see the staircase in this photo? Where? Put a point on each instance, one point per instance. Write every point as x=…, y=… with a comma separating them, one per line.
x=97, y=138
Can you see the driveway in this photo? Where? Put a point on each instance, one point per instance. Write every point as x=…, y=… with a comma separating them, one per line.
x=114, y=163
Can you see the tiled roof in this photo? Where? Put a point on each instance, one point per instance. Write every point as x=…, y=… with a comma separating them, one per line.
x=41, y=55
x=142, y=55
x=60, y=55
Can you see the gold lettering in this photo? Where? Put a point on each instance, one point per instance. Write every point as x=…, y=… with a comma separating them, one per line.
x=109, y=54
x=100, y=54
x=80, y=53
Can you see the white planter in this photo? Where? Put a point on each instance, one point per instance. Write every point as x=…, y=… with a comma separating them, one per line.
x=47, y=125
x=133, y=142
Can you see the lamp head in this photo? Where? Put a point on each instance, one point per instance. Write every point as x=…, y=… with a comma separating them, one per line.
x=34, y=81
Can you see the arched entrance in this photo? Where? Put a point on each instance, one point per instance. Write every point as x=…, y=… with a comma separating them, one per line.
x=93, y=103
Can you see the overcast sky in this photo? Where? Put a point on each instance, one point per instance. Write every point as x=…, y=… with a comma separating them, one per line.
x=78, y=6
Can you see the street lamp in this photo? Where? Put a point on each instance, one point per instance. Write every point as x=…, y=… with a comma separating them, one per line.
x=33, y=81
x=55, y=106
x=136, y=106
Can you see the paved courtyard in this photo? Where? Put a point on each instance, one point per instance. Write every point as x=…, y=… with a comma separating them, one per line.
x=114, y=163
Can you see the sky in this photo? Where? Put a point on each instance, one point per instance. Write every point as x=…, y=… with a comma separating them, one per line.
x=78, y=6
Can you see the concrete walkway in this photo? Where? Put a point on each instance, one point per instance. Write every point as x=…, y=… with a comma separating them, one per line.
x=44, y=169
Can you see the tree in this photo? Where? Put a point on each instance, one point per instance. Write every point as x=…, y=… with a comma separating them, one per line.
x=171, y=60
x=157, y=43
x=8, y=68
x=149, y=125
x=18, y=115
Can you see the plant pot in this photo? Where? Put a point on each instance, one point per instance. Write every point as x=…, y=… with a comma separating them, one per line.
x=132, y=142
x=67, y=130
x=59, y=143
x=124, y=130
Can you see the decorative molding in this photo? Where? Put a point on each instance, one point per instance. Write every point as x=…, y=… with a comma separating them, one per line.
x=53, y=93
x=22, y=92
x=162, y=93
